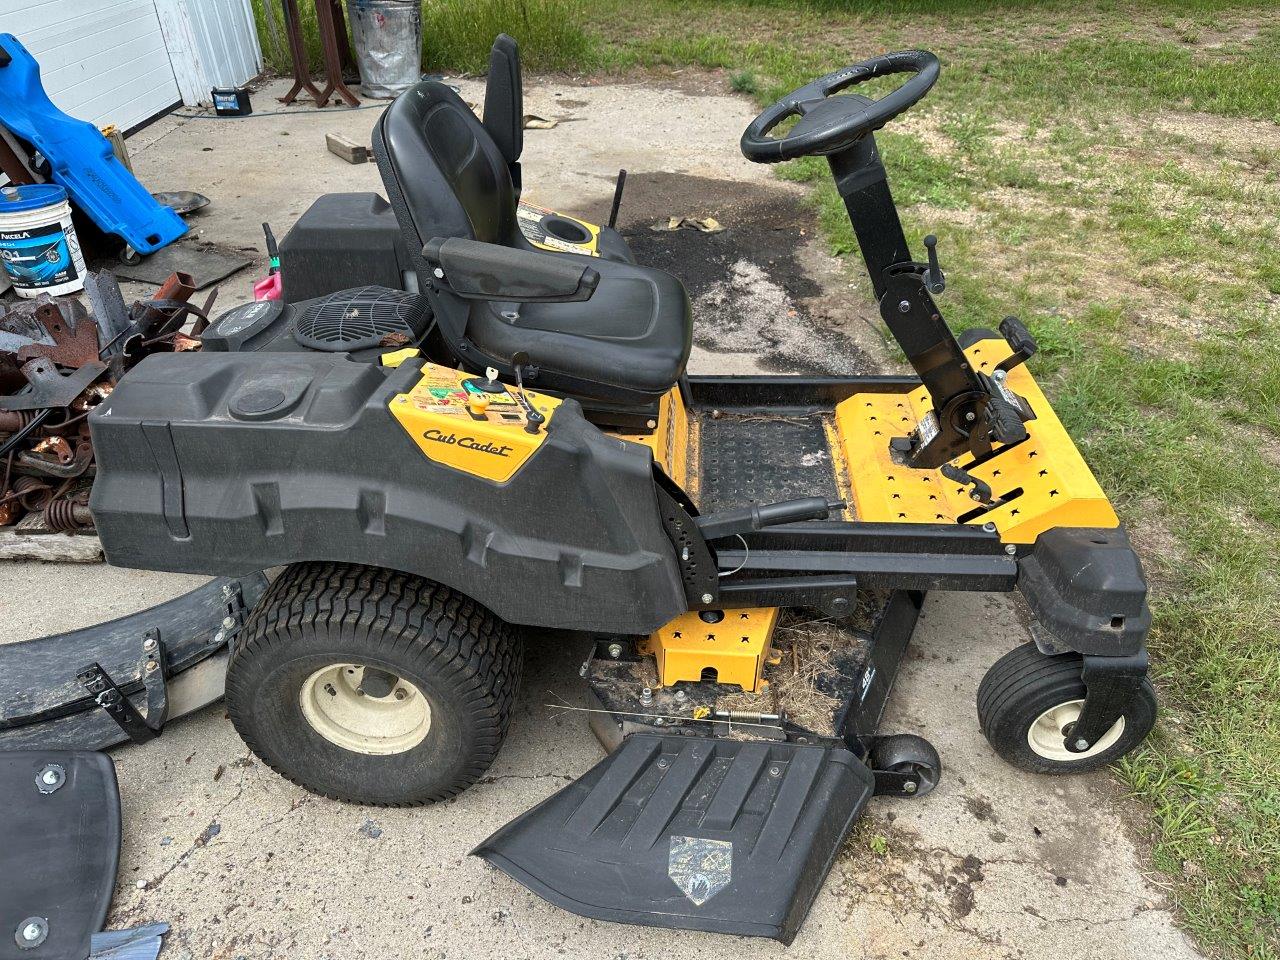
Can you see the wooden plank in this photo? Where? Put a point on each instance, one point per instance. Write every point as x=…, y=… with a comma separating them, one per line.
x=348, y=150
x=52, y=547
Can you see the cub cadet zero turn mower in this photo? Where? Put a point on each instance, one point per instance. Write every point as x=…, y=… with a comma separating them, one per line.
x=537, y=457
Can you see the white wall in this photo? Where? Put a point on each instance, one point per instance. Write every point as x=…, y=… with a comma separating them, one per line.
x=212, y=43
x=103, y=61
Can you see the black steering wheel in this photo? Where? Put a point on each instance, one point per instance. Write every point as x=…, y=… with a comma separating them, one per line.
x=829, y=124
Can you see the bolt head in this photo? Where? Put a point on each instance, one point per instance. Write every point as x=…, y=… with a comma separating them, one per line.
x=910, y=786
x=707, y=598
x=615, y=650
x=989, y=527
x=681, y=695
x=31, y=932
x=50, y=777
x=971, y=416
x=1082, y=744
x=149, y=644
x=1010, y=549
x=228, y=622
x=904, y=306
x=152, y=666
x=775, y=771
x=438, y=273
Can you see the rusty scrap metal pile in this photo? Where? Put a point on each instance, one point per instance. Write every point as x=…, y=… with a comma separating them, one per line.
x=58, y=360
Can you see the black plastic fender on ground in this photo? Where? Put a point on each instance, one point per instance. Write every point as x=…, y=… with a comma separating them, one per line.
x=43, y=704
x=692, y=833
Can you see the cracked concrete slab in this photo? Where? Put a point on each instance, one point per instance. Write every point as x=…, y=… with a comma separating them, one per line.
x=994, y=863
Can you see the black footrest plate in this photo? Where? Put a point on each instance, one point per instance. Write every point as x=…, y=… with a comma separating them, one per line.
x=691, y=832
x=59, y=849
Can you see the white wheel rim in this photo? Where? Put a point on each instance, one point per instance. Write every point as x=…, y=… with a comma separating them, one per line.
x=1047, y=739
x=332, y=703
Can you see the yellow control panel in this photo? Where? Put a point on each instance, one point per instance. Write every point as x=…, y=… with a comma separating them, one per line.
x=472, y=423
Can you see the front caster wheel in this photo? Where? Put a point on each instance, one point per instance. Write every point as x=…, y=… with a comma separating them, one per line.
x=373, y=686
x=905, y=765
x=1028, y=702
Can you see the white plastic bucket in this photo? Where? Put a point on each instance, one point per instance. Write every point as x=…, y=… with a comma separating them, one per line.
x=38, y=243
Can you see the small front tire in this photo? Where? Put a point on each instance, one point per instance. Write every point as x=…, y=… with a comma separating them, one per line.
x=1028, y=701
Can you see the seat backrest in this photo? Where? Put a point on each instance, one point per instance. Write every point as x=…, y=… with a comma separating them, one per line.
x=449, y=175
x=445, y=177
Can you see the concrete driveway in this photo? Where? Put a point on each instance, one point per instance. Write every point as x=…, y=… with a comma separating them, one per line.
x=994, y=863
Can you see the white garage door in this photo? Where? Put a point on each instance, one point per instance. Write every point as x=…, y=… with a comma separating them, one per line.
x=100, y=60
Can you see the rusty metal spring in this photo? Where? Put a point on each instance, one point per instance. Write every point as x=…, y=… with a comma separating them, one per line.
x=65, y=515
x=33, y=493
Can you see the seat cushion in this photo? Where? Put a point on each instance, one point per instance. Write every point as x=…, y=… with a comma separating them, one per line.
x=628, y=344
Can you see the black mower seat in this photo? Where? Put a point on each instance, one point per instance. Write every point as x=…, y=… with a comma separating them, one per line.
x=446, y=177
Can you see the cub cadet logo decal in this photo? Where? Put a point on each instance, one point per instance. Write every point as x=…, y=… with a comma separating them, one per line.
x=467, y=443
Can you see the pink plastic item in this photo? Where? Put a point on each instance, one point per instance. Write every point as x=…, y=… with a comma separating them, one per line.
x=268, y=288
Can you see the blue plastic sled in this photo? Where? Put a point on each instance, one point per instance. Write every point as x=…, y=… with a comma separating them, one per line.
x=81, y=157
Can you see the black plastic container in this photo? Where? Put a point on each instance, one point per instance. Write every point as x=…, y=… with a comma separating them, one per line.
x=231, y=102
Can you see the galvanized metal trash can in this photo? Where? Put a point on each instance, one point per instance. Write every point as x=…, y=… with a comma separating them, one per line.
x=388, y=42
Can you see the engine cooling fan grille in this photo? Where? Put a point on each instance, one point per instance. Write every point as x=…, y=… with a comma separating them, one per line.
x=361, y=318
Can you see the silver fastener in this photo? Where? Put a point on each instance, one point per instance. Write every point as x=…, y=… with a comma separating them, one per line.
x=149, y=644
x=228, y=622
x=775, y=771
x=50, y=778
x=684, y=554
x=989, y=527
x=681, y=695
x=438, y=273
x=31, y=932
x=219, y=636
x=707, y=598
x=904, y=306
x=1010, y=549
x=152, y=666
x=615, y=650
x=909, y=786
x=663, y=764
x=646, y=696
x=1082, y=744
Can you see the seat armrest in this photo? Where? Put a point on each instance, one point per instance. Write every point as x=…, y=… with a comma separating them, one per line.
x=490, y=271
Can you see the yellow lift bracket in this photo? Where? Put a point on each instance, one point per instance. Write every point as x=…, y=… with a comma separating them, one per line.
x=731, y=650
x=1043, y=481
x=455, y=421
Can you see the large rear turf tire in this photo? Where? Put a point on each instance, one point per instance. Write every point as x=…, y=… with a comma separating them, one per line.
x=1028, y=701
x=373, y=686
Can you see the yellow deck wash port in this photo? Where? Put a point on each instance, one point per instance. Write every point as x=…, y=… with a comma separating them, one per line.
x=1044, y=479
x=732, y=650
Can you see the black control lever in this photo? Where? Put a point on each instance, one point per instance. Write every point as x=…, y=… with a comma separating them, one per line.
x=741, y=520
x=1020, y=341
x=617, y=199
x=532, y=417
x=934, y=279
x=981, y=491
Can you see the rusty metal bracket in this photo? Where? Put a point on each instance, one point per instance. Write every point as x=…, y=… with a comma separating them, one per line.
x=74, y=334
x=108, y=696
x=49, y=388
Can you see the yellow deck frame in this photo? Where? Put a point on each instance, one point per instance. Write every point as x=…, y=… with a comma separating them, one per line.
x=1058, y=489
x=1054, y=488
x=736, y=648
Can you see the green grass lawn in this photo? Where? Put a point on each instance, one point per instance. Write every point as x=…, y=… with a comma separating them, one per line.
x=1110, y=172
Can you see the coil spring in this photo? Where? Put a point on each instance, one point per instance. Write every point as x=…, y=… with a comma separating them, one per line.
x=33, y=493
x=65, y=515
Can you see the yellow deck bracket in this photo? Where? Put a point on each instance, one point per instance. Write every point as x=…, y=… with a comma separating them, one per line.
x=733, y=650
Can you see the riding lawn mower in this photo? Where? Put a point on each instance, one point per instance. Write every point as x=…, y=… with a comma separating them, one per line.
x=467, y=427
